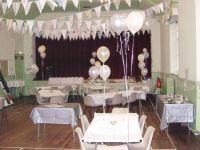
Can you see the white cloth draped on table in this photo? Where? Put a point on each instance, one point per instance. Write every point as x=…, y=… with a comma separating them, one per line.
x=107, y=127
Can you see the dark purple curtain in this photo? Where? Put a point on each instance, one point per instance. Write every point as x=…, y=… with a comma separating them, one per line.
x=65, y=58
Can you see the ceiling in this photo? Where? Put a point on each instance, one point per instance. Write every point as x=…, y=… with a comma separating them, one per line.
x=84, y=5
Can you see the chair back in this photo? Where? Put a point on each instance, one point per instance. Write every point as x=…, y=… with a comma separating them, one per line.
x=120, y=110
x=1, y=103
x=84, y=122
x=117, y=147
x=142, y=122
x=80, y=136
x=88, y=101
x=57, y=99
x=117, y=99
x=133, y=97
x=148, y=137
x=39, y=99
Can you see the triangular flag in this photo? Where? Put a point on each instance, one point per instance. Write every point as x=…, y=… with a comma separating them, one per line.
x=39, y=6
x=42, y=3
x=128, y=2
x=90, y=1
x=78, y=24
x=117, y=3
x=4, y=7
x=9, y=3
x=75, y=2
x=40, y=25
x=98, y=10
x=54, y=23
x=69, y=25
x=107, y=6
x=30, y=25
x=64, y=4
x=64, y=34
x=103, y=25
x=88, y=13
x=27, y=8
x=88, y=24
x=24, y=3
x=79, y=16
x=59, y=2
x=101, y=1
x=19, y=24
x=9, y=23
x=16, y=6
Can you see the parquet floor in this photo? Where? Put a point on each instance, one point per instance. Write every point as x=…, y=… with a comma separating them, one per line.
x=19, y=132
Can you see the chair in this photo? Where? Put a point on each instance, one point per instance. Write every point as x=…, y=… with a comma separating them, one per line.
x=116, y=147
x=40, y=100
x=120, y=110
x=142, y=122
x=115, y=101
x=146, y=142
x=84, y=122
x=84, y=146
x=90, y=105
x=57, y=99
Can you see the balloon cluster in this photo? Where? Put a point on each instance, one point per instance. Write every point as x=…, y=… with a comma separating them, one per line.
x=122, y=22
x=97, y=69
x=42, y=50
x=141, y=64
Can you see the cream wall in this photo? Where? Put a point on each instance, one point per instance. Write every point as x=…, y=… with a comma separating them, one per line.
x=187, y=40
x=155, y=46
x=10, y=42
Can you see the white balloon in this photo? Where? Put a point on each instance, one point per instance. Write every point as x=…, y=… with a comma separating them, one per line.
x=34, y=69
x=41, y=49
x=118, y=22
x=43, y=55
x=134, y=21
x=141, y=57
x=104, y=72
x=141, y=65
x=144, y=72
x=146, y=55
x=92, y=61
x=97, y=64
x=103, y=53
x=93, y=72
x=144, y=50
x=94, y=54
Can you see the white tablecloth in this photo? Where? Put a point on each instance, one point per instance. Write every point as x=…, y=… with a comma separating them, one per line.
x=50, y=93
x=175, y=113
x=57, y=114
x=100, y=98
x=15, y=83
x=122, y=128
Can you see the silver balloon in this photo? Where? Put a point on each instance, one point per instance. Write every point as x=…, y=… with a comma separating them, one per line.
x=144, y=50
x=34, y=69
x=93, y=72
x=43, y=55
x=104, y=72
x=41, y=49
x=97, y=64
x=146, y=55
x=92, y=61
x=141, y=57
x=118, y=22
x=103, y=53
x=144, y=72
x=141, y=65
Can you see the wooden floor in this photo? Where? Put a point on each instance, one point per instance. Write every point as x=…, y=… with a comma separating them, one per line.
x=19, y=132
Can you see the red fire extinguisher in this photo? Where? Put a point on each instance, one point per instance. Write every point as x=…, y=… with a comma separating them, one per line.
x=158, y=83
